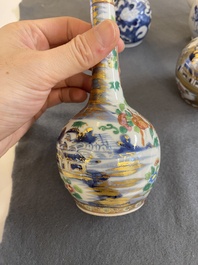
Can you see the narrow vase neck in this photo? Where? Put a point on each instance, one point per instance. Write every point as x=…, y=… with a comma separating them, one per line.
x=106, y=87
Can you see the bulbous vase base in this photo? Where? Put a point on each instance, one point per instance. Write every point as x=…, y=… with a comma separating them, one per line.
x=188, y=92
x=109, y=211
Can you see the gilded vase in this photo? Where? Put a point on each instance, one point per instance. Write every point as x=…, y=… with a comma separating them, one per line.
x=108, y=154
x=187, y=73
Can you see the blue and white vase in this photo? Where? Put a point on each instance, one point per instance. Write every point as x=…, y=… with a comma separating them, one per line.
x=133, y=19
x=108, y=154
x=193, y=19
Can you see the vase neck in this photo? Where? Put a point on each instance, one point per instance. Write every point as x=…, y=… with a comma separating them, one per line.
x=106, y=87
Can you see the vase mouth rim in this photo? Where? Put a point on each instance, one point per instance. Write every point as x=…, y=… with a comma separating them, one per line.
x=102, y=1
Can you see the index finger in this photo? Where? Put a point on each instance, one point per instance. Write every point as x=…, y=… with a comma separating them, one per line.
x=61, y=30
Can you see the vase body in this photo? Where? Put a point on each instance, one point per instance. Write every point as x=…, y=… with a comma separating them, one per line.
x=193, y=19
x=133, y=19
x=108, y=154
x=187, y=73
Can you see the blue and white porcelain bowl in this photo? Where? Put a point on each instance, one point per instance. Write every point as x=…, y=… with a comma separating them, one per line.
x=133, y=18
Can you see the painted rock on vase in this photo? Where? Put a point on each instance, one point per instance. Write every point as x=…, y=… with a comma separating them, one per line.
x=187, y=73
x=133, y=18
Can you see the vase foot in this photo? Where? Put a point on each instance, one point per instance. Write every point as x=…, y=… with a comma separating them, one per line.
x=189, y=102
x=131, y=45
x=109, y=211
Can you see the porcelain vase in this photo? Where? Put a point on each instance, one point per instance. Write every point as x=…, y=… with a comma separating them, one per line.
x=133, y=18
x=187, y=73
x=193, y=19
x=108, y=154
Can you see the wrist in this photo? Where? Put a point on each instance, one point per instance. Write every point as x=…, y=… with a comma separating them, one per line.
x=4, y=146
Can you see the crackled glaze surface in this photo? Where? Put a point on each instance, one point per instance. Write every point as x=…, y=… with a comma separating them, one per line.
x=187, y=73
x=133, y=18
x=108, y=154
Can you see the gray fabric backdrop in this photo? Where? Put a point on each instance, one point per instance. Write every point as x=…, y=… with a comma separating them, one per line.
x=44, y=227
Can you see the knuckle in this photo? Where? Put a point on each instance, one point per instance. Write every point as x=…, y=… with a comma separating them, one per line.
x=82, y=51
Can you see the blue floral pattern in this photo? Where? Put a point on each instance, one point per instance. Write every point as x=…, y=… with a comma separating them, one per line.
x=133, y=18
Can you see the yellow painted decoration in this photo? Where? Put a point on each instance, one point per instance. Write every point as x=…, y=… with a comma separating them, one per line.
x=102, y=1
x=114, y=201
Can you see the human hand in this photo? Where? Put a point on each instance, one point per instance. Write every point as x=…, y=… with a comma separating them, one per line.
x=41, y=65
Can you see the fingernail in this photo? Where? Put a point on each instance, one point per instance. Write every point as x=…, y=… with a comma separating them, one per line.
x=107, y=33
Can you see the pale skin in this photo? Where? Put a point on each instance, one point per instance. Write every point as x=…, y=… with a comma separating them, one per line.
x=42, y=64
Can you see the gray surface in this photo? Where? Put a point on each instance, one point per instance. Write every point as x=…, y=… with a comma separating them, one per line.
x=44, y=227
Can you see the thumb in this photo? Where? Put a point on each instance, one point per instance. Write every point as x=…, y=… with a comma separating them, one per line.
x=82, y=52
